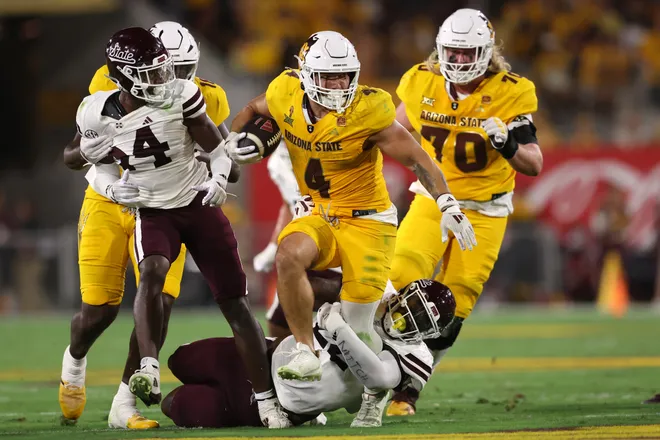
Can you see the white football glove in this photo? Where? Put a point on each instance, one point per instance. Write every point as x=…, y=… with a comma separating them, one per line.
x=93, y=150
x=263, y=261
x=455, y=221
x=498, y=133
x=215, y=193
x=123, y=192
x=329, y=318
x=240, y=155
x=303, y=207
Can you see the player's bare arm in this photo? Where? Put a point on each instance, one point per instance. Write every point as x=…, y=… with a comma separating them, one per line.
x=402, y=117
x=204, y=157
x=396, y=142
x=528, y=160
x=257, y=106
x=72, y=157
x=516, y=143
x=204, y=132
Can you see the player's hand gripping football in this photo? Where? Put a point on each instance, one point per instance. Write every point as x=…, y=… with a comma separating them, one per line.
x=329, y=318
x=240, y=155
x=124, y=192
x=498, y=133
x=455, y=221
x=215, y=196
x=93, y=150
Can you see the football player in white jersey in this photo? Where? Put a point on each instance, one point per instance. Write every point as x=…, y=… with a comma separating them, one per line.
x=215, y=394
x=150, y=127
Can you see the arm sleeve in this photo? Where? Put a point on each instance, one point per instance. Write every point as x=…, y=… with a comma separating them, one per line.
x=281, y=173
x=100, y=176
x=376, y=372
x=523, y=129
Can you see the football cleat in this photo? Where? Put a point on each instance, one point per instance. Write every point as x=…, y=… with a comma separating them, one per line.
x=371, y=410
x=72, y=402
x=272, y=415
x=145, y=384
x=304, y=365
x=400, y=409
x=127, y=416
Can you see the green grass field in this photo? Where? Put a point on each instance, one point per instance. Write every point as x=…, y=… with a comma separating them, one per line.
x=517, y=370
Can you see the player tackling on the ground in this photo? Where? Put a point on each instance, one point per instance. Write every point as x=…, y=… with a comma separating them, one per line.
x=216, y=391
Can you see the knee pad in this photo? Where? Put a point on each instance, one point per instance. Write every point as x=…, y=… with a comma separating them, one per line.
x=448, y=335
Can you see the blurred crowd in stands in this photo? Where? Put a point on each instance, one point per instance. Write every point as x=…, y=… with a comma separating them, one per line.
x=596, y=63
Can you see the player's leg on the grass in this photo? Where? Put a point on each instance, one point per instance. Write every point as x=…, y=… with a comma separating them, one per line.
x=216, y=392
x=366, y=248
x=465, y=273
x=102, y=259
x=124, y=413
x=305, y=243
x=157, y=243
x=326, y=286
x=211, y=242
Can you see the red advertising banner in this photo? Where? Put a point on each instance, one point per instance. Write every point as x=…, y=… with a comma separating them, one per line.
x=573, y=185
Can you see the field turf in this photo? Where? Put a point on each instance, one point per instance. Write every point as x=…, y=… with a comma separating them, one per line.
x=568, y=373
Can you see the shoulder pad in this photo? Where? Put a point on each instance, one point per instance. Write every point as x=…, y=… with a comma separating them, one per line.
x=191, y=99
x=414, y=80
x=88, y=115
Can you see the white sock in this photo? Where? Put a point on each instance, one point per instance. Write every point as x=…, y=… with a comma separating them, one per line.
x=124, y=396
x=73, y=370
x=265, y=395
x=360, y=317
x=150, y=362
x=438, y=355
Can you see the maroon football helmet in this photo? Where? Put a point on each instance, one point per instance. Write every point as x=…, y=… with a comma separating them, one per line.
x=140, y=65
x=421, y=310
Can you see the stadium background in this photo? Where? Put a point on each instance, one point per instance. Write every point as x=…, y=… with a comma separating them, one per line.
x=595, y=63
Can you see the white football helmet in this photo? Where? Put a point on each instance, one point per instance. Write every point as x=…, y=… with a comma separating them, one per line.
x=328, y=52
x=465, y=29
x=181, y=45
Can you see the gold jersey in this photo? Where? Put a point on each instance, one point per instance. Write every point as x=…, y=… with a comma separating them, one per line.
x=217, y=106
x=332, y=159
x=451, y=130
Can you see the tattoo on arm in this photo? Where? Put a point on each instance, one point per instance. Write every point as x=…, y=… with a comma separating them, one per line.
x=427, y=180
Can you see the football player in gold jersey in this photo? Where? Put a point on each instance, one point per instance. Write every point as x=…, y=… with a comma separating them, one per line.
x=335, y=131
x=475, y=119
x=105, y=234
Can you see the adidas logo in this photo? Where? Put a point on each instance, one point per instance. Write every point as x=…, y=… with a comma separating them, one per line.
x=147, y=120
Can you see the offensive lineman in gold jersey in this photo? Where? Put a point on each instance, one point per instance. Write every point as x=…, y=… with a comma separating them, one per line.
x=335, y=131
x=474, y=117
x=106, y=243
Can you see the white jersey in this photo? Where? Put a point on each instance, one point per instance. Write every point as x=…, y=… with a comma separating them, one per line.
x=280, y=170
x=153, y=143
x=338, y=387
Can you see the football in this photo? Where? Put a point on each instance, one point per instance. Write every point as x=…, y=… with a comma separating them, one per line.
x=262, y=133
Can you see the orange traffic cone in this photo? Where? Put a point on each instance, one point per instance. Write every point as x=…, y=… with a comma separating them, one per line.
x=613, y=296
